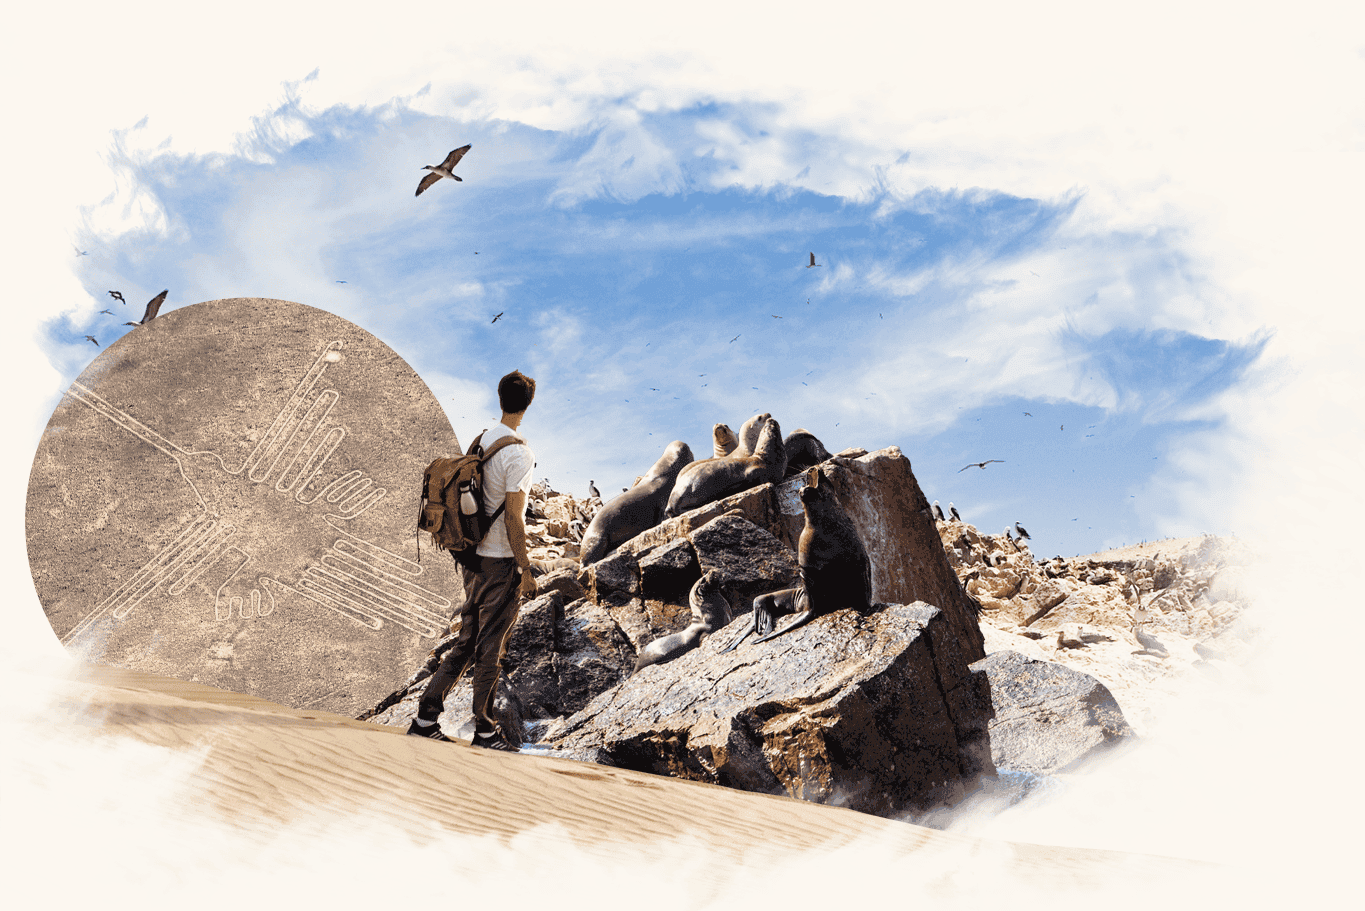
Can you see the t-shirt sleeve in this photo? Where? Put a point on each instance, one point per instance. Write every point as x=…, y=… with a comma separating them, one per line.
x=520, y=468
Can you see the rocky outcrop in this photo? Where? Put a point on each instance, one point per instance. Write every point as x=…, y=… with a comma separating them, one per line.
x=877, y=712
x=1188, y=594
x=1048, y=718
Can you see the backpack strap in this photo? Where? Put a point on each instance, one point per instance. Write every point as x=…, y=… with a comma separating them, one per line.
x=508, y=440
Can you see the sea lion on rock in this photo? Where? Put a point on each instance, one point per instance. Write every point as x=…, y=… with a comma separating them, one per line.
x=835, y=570
x=710, y=611
x=724, y=440
x=748, y=435
x=713, y=479
x=803, y=451
x=636, y=510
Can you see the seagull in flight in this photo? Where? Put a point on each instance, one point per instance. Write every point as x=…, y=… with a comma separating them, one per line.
x=442, y=170
x=732, y=341
x=110, y=312
x=499, y=316
x=813, y=262
x=80, y=252
x=118, y=296
x=93, y=339
x=153, y=306
x=981, y=465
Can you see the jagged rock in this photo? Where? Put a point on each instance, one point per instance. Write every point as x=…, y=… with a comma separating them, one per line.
x=880, y=494
x=758, y=505
x=876, y=712
x=591, y=655
x=1045, y=598
x=1048, y=718
x=565, y=581
x=619, y=572
x=632, y=616
x=667, y=572
x=750, y=560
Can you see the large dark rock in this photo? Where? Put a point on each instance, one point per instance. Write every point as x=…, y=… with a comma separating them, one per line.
x=668, y=572
x=619, y=572
x=1048, y=718
x=749, y=559
x=877, y=712
x=879, y=493
x=558, y=658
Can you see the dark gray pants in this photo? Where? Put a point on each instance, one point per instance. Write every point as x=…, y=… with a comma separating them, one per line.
x=491, y=600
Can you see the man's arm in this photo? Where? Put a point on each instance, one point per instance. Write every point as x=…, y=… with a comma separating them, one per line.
x=514, y=510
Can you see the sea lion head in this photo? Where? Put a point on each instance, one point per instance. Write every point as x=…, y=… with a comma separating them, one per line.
x=724, y=440
x=748, y=434
x=771, y=450
x=708, y=603
x=676, y=456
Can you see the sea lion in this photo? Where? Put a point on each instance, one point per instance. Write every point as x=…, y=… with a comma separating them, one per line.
x=803, y=451
x=835, y=570
x=723, y=440
x=636, y=510
x=712, y=479
x=748, y=435
x=710, y=611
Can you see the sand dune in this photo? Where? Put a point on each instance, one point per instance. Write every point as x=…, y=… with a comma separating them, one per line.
x=265, y=766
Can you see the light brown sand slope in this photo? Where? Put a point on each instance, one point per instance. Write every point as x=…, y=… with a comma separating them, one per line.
x=269, y=765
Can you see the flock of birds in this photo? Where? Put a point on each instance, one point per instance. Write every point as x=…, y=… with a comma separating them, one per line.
x=953, y=516
x=446, y=170
x=148, y=314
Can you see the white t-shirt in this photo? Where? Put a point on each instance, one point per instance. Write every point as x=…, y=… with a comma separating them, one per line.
x=509, y=469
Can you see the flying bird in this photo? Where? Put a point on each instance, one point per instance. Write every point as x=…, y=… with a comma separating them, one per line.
x=1027, y=415
x=812, y=262
x=442, y=170
x=732, y=341
x=980, y=465
x=1023, y=532
x=340, y=281
x=110, y=312
x=952, y=511
x=93, y=339
x=118, y=296
x=153, y=306
x=80, y=252
x=938, y=512
x=775, y=316
x=499, y=316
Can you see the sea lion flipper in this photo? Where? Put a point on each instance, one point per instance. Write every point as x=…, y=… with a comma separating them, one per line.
x=799, y=620
x=734, y=645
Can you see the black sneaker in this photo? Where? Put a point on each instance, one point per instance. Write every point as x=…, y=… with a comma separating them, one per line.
x=494, y=740
x=430, y=731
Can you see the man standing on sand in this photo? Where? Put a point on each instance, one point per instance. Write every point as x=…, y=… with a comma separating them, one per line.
x=492, y=595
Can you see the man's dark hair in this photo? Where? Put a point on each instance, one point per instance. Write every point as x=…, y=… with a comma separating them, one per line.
x=515, y=392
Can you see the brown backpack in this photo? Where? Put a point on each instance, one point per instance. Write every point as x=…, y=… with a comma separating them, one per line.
x=451, y=527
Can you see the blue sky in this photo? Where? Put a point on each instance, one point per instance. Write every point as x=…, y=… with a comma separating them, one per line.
x=652, y=295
